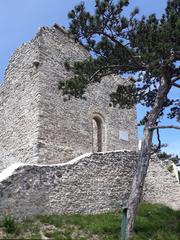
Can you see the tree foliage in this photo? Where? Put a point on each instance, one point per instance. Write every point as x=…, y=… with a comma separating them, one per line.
x=147, y=46
x=119, y=44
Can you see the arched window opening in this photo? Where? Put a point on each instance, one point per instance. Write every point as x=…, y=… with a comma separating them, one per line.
x=97, y=134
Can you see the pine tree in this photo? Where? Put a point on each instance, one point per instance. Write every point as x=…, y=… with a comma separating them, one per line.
x=147, y=46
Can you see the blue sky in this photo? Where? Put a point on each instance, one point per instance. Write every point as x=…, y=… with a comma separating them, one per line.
x=20, y=20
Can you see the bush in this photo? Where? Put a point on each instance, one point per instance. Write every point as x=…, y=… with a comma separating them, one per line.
x=9, y=224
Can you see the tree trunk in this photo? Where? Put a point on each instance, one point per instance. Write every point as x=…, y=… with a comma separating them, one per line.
x=138, y=181
x=144, y=156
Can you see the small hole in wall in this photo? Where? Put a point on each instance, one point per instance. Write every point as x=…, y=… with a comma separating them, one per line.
x=27, y=186
x=59, y=174
x=36, y=63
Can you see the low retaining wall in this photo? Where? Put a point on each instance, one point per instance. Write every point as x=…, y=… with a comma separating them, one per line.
x=161, y=186
x=95, y=183
x=91, y=183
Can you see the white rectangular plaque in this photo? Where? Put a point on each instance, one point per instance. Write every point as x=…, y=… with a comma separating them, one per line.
x=123, y=135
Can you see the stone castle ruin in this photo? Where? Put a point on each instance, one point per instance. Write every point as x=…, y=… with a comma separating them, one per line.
x=40, y=134
x=37, y=126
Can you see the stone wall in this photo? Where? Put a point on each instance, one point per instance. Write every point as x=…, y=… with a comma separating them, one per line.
x=92, y=183
x=95, y=183
x=19, y=108
x=36, y=125
x=66, y=129
x=161, y=186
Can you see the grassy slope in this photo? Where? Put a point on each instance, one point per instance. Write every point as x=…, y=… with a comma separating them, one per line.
x=154, y=222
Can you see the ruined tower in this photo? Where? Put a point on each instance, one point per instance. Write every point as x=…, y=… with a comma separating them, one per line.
x=38, y=126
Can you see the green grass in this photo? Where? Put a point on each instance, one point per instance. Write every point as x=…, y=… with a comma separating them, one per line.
x=157, y=222
x=154, y=222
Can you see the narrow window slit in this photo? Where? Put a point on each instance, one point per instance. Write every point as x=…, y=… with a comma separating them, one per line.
x=97, y=134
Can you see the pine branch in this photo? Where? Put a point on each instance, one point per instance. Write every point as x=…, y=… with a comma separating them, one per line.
x=159, y=141
x=166, y=126
x=158, y=138
x=175, y=56
x=176, y=79
x=176, y=85
x=132, y=57
x=114, y=68
x=169, y=60
x=92, y=78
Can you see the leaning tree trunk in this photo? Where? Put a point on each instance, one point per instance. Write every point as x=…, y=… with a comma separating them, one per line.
x=144, y=156
x=138, y=180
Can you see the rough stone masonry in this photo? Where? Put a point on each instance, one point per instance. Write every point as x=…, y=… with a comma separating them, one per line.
x=37, y=126
x=92, y=183
x=40, y=133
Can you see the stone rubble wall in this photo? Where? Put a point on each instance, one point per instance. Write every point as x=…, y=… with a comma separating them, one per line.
x=19, y=100
x=92, y=183
x=66, y=127
x=36, y=125
x=161, y=186
x=95, y=183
